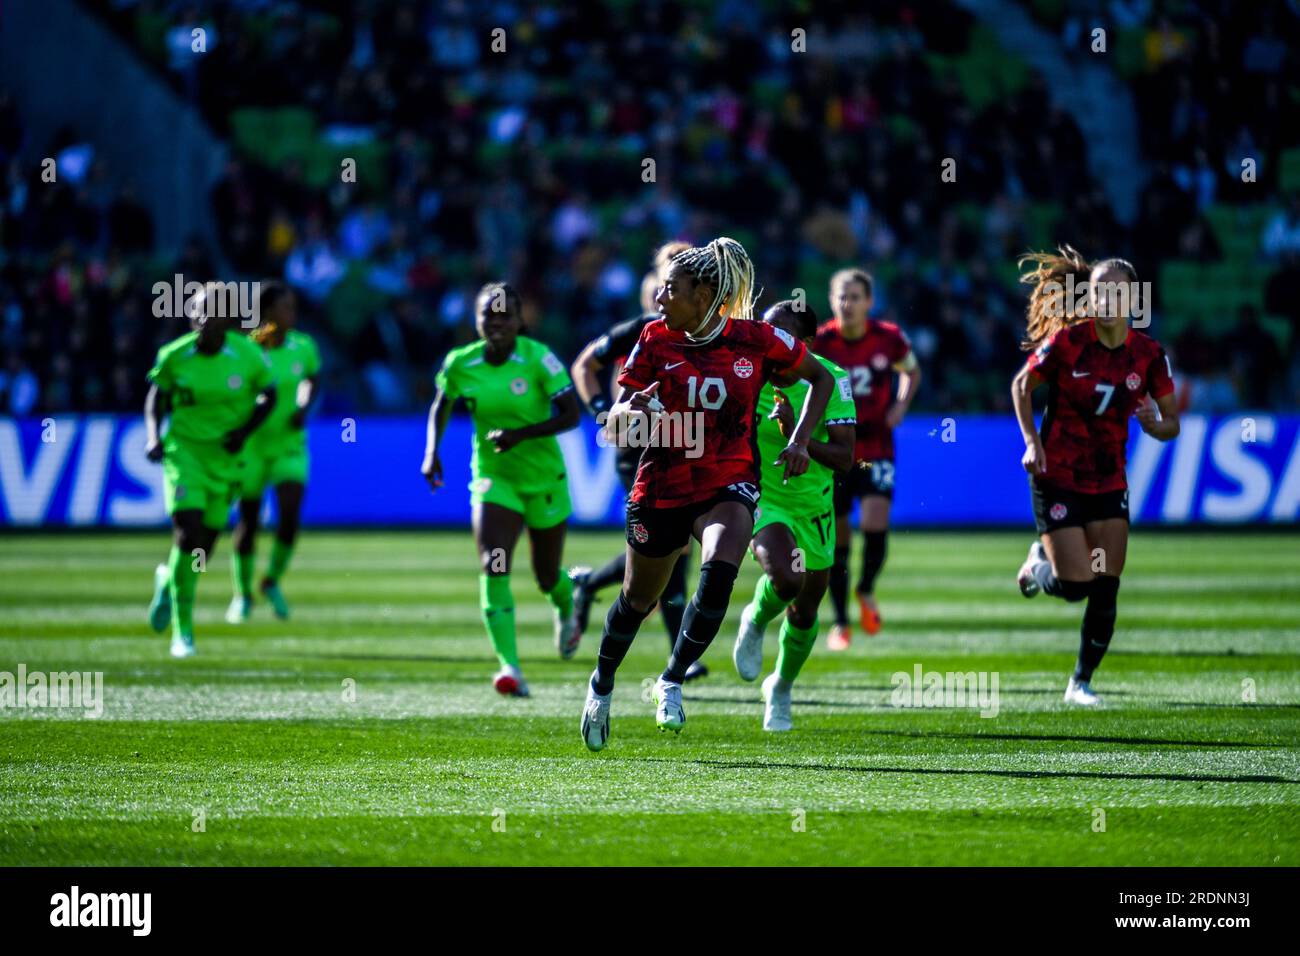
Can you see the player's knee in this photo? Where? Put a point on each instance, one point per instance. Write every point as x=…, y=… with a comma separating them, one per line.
x=786, y=582
x=546, y=580
x=717, y=578
x=801, y=617
x=493, y=561
x=1074, y=591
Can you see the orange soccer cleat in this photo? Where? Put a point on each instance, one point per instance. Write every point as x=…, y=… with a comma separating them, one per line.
x=838, y=640
x=870, y=614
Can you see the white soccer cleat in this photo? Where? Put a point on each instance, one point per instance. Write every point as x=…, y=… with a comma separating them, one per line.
x=595, y=718
x=776, y=710
x=183, y=645
x=668, y=706
x=567, y=636
x=1025, y=578
x=1078, y=692
x=509, y=682
x=240, y=608
x=160, y=608
x=747, y=655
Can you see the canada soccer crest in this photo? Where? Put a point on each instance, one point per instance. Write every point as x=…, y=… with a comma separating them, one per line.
x=1058, y=511
x=879, y=361
x=1134, y=381
x=640, y=533
x=743, y=368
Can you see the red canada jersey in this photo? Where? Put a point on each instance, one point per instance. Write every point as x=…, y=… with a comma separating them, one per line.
x=715, y=387
x=1093, y=391
x=870, y=362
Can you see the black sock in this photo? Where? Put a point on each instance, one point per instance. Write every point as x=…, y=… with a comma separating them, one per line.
x=1098, y=625
x=1050, y=584
x=873, y=559
x=703, y=617
x=611, y=572
x=840, y=585
x=672, y=603
x=621, y=624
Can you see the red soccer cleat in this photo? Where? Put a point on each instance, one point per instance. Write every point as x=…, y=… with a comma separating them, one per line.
x=870, y=614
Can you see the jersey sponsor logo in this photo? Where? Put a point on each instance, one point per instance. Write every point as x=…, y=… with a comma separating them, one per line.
x=234, y=382
x=1058, y=511
x=640, y=532
x=519, y=386
x=785, y=337
x=743, y=368
x=552, y=364
x=880, y=361
x=846, y=389
x=1134, y=381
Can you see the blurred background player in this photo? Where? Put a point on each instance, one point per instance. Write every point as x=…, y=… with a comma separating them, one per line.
x=520, y=397
x=1099, y=371
x=611, y=349
x=871, y=352
x=215, y=387
x=794, y=532
x=276, y=454
x=706, y=362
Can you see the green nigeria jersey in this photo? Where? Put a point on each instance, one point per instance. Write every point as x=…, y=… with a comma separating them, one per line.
x=514, y=394
x=808, y=490
x=209, y=394
x=293, y=361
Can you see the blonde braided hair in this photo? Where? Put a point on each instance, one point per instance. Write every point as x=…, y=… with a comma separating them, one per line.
x=725, y=265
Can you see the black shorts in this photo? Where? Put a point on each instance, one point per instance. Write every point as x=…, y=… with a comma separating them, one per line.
x=659, y=532
x=626, y=466
x=863, y=479
x=1056, y=508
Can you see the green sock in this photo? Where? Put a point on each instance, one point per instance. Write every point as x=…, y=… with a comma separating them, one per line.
x=280, y=555
x=766, y=604
x=241, y=568
x=184, y=581
x=498, y=608
x=796, y=644
x=561, y=596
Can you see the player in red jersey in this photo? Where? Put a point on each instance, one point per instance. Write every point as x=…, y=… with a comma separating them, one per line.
x=1099, y=371
x=873, y=353
x=690, y=392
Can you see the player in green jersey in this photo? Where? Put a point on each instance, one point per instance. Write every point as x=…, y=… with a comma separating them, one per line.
x=216, y=388
x=276, y=455
x=794, y=532
x=520, y=397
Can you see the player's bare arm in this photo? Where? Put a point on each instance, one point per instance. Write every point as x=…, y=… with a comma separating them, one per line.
x=836, y=454
x=1022, y=389
x=308, y=389
x=584, y=372
x=909, y=382
x=567, y=416
x=155, y=402
x=439, y=415
x=263, y=405
x=795, y=454
x=1162, y=427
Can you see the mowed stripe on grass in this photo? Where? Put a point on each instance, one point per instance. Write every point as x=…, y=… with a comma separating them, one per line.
x=364, y=730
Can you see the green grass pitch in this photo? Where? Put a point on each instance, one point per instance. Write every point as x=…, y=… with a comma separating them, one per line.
x=250, y=754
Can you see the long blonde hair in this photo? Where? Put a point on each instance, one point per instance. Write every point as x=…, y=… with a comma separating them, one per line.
x=725, y=265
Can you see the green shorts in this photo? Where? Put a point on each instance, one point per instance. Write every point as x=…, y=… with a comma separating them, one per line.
x=200, y=478
x=814, y=534
x=542, y=507
x=266, y=469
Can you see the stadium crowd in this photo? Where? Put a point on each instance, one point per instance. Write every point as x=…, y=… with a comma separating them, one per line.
x=529, y=164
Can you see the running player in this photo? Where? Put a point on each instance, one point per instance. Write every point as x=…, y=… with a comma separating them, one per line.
x=216, y=388
x=872, y=352
x=520, y=398
x=611, y=349
x=276, y=455
x=692, y=384
x=794, y=532
x=1099, y=371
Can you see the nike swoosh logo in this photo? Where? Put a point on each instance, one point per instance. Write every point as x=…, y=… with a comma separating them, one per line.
x=669, y=368
x=1080, y=374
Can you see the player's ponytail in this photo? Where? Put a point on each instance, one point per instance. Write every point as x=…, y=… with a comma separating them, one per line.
x=1050, y=309
x=268, y=330
x=725, y=265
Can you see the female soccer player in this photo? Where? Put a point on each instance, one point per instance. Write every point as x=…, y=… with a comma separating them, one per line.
x=794, y=534
x=520, y=398
x=612, y=348
x=276, y=456
x=700, y=371
x=1099, y=372
x=872, y=352
x=219, y=388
